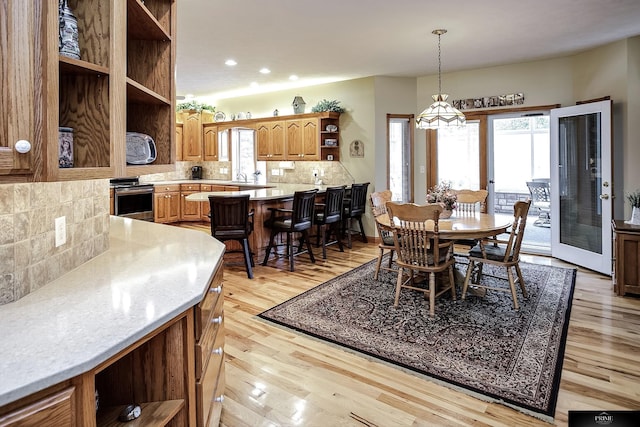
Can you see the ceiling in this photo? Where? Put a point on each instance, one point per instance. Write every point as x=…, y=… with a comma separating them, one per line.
x=332, y=40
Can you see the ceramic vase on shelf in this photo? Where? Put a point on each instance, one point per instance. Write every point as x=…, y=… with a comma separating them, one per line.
x=635, y=216
x=68, y=41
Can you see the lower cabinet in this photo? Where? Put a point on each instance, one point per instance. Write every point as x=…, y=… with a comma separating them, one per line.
x=626, y=253
x=166, y=203
x=175, y=373
x=189, y=211
x=55, y=409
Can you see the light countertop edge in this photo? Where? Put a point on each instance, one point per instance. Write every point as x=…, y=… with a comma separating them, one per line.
x=150, y=274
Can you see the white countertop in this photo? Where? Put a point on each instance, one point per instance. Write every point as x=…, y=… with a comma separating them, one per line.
x=150, y=274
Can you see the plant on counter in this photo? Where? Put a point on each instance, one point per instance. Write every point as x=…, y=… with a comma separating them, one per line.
x=324, y=105
x=634, y=199
x=195, y=105
x=444, y=195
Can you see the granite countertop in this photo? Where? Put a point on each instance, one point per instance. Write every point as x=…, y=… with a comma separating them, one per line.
x=269, y=191
x=150, y=274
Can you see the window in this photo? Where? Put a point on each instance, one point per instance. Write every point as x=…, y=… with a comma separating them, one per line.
x=243, y=153
x=400, y=154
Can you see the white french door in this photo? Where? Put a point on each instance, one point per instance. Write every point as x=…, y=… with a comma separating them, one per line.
x=581, y=196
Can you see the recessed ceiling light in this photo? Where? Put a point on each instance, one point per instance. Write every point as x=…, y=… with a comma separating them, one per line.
x=265, y=70
x=230, y=62
x=293, y=77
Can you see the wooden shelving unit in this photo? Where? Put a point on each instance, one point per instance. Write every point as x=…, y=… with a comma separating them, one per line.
x=152, y=414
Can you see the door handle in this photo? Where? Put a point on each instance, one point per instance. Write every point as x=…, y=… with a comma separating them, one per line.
x=604, y=196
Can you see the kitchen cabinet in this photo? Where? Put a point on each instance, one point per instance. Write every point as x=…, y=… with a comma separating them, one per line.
x=166, y=203
x=54, y=409
x=210, y=142
x=302, y=140
x=209, y=354
x=192, y=133
x=330, y=136
x=123, y=81
x=626, y=253
x=189, y=211
x=270, y=136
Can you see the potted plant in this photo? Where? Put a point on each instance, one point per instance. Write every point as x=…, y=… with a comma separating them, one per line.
x=634, y=200
x=195, y=106
x=325, y=105
x=445, y=196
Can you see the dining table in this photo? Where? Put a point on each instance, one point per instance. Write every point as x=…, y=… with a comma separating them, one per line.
x=464, y=226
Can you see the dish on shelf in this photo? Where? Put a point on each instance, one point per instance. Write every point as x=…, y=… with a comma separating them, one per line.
x=331, y=142
x=219, y=117
x=141, y=149
x=332, y=128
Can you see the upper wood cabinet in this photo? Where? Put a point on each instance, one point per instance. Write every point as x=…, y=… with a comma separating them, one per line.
x=123, y=81
x=270, y=137
x=192, y=134
x=210, y=142
x=302, y=139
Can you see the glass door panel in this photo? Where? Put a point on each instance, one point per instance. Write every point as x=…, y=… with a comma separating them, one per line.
x=581, y=209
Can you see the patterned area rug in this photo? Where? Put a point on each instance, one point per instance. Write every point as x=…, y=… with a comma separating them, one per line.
x=480, y=345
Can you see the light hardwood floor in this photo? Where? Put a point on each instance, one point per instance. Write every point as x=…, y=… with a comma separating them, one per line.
x=275, y=377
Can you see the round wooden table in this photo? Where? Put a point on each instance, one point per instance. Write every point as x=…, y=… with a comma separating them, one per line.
x=466, y=226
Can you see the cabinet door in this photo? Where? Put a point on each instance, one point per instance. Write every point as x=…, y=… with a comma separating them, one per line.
x=18, y=59
x=294, y=139
x=192, y=137
x=51, y=411
x=179, y=133
x=210, y=142
x=263, y=138
x=173, y=208
x=189, y=211
x=310, y=143
x=278, y=137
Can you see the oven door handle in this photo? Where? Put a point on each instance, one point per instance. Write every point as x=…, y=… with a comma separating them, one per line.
x=133, y=191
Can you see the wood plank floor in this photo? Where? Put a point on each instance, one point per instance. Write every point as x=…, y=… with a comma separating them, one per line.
x=275, y=377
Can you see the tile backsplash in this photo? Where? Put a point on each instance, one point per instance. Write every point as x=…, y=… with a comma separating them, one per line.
x=27, y=232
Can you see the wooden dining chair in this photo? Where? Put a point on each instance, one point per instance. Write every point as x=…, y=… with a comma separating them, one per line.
x=471, y=201
x=419, y=248
x=501, y=253
x=378, y=200
x=468, y=203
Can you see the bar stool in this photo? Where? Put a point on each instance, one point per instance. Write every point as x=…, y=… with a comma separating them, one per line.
x=329, y=218
x=232, y=220
x=299, y=219
x=355, y=205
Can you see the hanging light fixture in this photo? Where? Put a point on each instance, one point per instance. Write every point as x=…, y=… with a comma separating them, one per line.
x=440, y=113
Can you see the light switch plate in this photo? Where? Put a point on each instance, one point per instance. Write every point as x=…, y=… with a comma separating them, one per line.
x=61, y=230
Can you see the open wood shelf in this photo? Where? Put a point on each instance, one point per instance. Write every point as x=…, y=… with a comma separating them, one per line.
x=152, y=414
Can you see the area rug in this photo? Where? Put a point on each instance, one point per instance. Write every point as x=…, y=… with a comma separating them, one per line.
x=480, y=345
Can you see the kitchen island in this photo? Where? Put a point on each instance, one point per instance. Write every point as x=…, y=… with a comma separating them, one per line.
x=129, y=323
x=261, y=200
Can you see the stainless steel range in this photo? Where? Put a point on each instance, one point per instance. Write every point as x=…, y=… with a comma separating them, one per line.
x=132, y=199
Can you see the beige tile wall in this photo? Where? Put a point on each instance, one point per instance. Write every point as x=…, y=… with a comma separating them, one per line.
x=28, y=256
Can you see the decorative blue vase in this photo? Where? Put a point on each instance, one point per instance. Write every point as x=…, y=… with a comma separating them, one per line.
x=68, y=42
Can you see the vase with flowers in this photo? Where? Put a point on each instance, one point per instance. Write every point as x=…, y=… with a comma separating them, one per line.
x=445, y=196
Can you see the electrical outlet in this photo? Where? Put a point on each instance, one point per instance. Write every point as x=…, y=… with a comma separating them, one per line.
x=321, y=172
x=421, y=168
x=61, y=231
x=275, y=172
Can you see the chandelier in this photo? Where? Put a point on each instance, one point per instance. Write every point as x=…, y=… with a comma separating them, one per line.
x=440, y=113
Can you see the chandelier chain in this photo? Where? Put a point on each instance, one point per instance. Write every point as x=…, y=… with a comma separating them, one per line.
x=439, y=67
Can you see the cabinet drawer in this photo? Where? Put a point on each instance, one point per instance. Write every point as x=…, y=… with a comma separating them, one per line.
x=50, y=411
x=218, y=397
x=211, y=343
x=166, y=188
x=204, y=310
x=208, y=390
x=205, y=187
x=189, y=187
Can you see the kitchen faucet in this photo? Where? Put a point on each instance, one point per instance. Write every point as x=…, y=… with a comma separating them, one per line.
x=241, y=175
